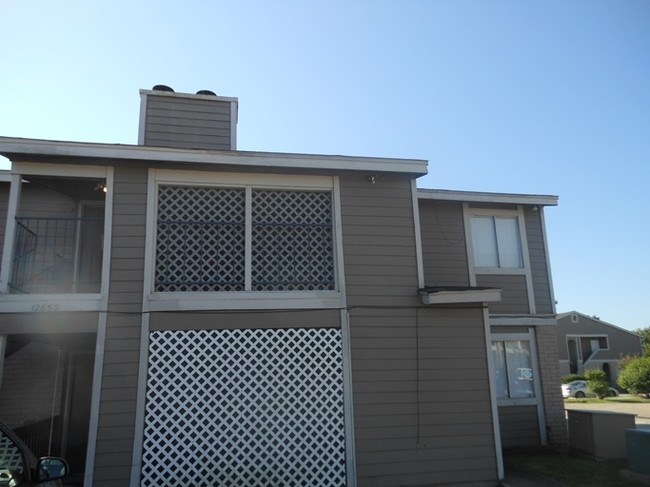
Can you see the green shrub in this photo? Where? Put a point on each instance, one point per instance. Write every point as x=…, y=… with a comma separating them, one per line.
x=597, y=382
x=570, y=378
x=623, y=360
x=635, y=377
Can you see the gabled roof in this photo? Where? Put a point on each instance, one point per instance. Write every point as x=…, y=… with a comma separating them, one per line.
x=596, y=320
x=12, y=147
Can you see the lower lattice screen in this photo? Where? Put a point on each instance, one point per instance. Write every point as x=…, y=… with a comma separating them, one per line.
x=257, y=407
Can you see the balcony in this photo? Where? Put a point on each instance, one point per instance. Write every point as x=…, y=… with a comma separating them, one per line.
x=57, y=255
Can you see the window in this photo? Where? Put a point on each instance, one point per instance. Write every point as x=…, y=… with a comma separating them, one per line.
x=243, y=239
x=591, y=344
x=496, y=242
x=514, y=369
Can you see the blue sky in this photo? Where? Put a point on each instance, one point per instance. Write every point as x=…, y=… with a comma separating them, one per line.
x=545, y=97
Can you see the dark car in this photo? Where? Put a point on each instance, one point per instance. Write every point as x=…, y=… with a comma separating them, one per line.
x=20, y=467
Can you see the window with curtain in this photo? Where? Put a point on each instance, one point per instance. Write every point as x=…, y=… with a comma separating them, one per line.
x=513, y=369
x=496, y=242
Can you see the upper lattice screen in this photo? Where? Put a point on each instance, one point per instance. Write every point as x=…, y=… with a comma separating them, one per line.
x=202, y=235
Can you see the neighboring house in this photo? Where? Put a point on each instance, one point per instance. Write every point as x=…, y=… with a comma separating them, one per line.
x=180, y=312
x=586, y=342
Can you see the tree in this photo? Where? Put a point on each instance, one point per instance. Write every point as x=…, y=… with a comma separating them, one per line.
x=645, y=340
x=597, y=382
x=635, y=377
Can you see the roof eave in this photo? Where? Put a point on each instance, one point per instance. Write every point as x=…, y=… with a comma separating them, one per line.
x=18, y=147
x=483, y=197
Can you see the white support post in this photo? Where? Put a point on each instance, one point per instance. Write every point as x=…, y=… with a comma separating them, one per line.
x=10, y=233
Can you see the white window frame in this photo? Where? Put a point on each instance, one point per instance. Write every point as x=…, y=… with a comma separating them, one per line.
x=538, y=400
x=591, y=337
x=518, y=212
x=178, y=301
x=530, y=338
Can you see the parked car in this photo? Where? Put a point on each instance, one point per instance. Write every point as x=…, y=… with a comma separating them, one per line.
x=19, y=466
x=580, y=388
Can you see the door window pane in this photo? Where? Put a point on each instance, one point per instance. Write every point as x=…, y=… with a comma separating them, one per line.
x=520, y=369
x=513, y=369
x=500, y=369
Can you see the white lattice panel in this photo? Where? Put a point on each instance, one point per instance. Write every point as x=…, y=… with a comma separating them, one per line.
x=292, y=241
x=11, y=459
x=245, y=408
x=201, y=239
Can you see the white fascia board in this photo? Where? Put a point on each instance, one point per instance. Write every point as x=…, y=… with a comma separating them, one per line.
x=243, y=300
x=467, y=296
x=28, y=147
x=173, y=94
x=481, y=197
x=50, y=303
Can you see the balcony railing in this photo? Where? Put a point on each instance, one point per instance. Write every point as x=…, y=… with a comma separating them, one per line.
x=57, y=255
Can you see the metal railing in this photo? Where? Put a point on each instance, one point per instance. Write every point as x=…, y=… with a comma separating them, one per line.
x=57, y=255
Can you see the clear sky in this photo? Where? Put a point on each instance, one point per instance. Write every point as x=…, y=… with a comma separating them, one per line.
x=547, y=97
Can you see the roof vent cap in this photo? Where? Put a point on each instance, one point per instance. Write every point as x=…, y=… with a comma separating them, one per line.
x=163, y=88
x=206, y=92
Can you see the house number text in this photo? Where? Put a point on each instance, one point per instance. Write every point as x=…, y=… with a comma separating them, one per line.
x=40, y=308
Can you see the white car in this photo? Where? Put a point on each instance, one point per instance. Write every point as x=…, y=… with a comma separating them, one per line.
x=579, y=388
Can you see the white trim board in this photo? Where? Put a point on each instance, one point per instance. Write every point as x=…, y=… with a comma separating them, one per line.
x=483, y=197
x=11, y=146
x=460, y=296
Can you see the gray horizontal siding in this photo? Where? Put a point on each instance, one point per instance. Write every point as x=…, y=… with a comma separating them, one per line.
x=32, y=200
x=519, y=426
x=113, y=456
x=378, y=240
x=421, y=396
x=538, y=263
x=60, y=322
x=620, y=342
x=443, y=243
x=187, y=123
x=514, y=295
x=270, y=319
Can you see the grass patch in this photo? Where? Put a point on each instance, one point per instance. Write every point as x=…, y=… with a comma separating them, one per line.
x=632, y=399
x=618, y=399
x=570, y=470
